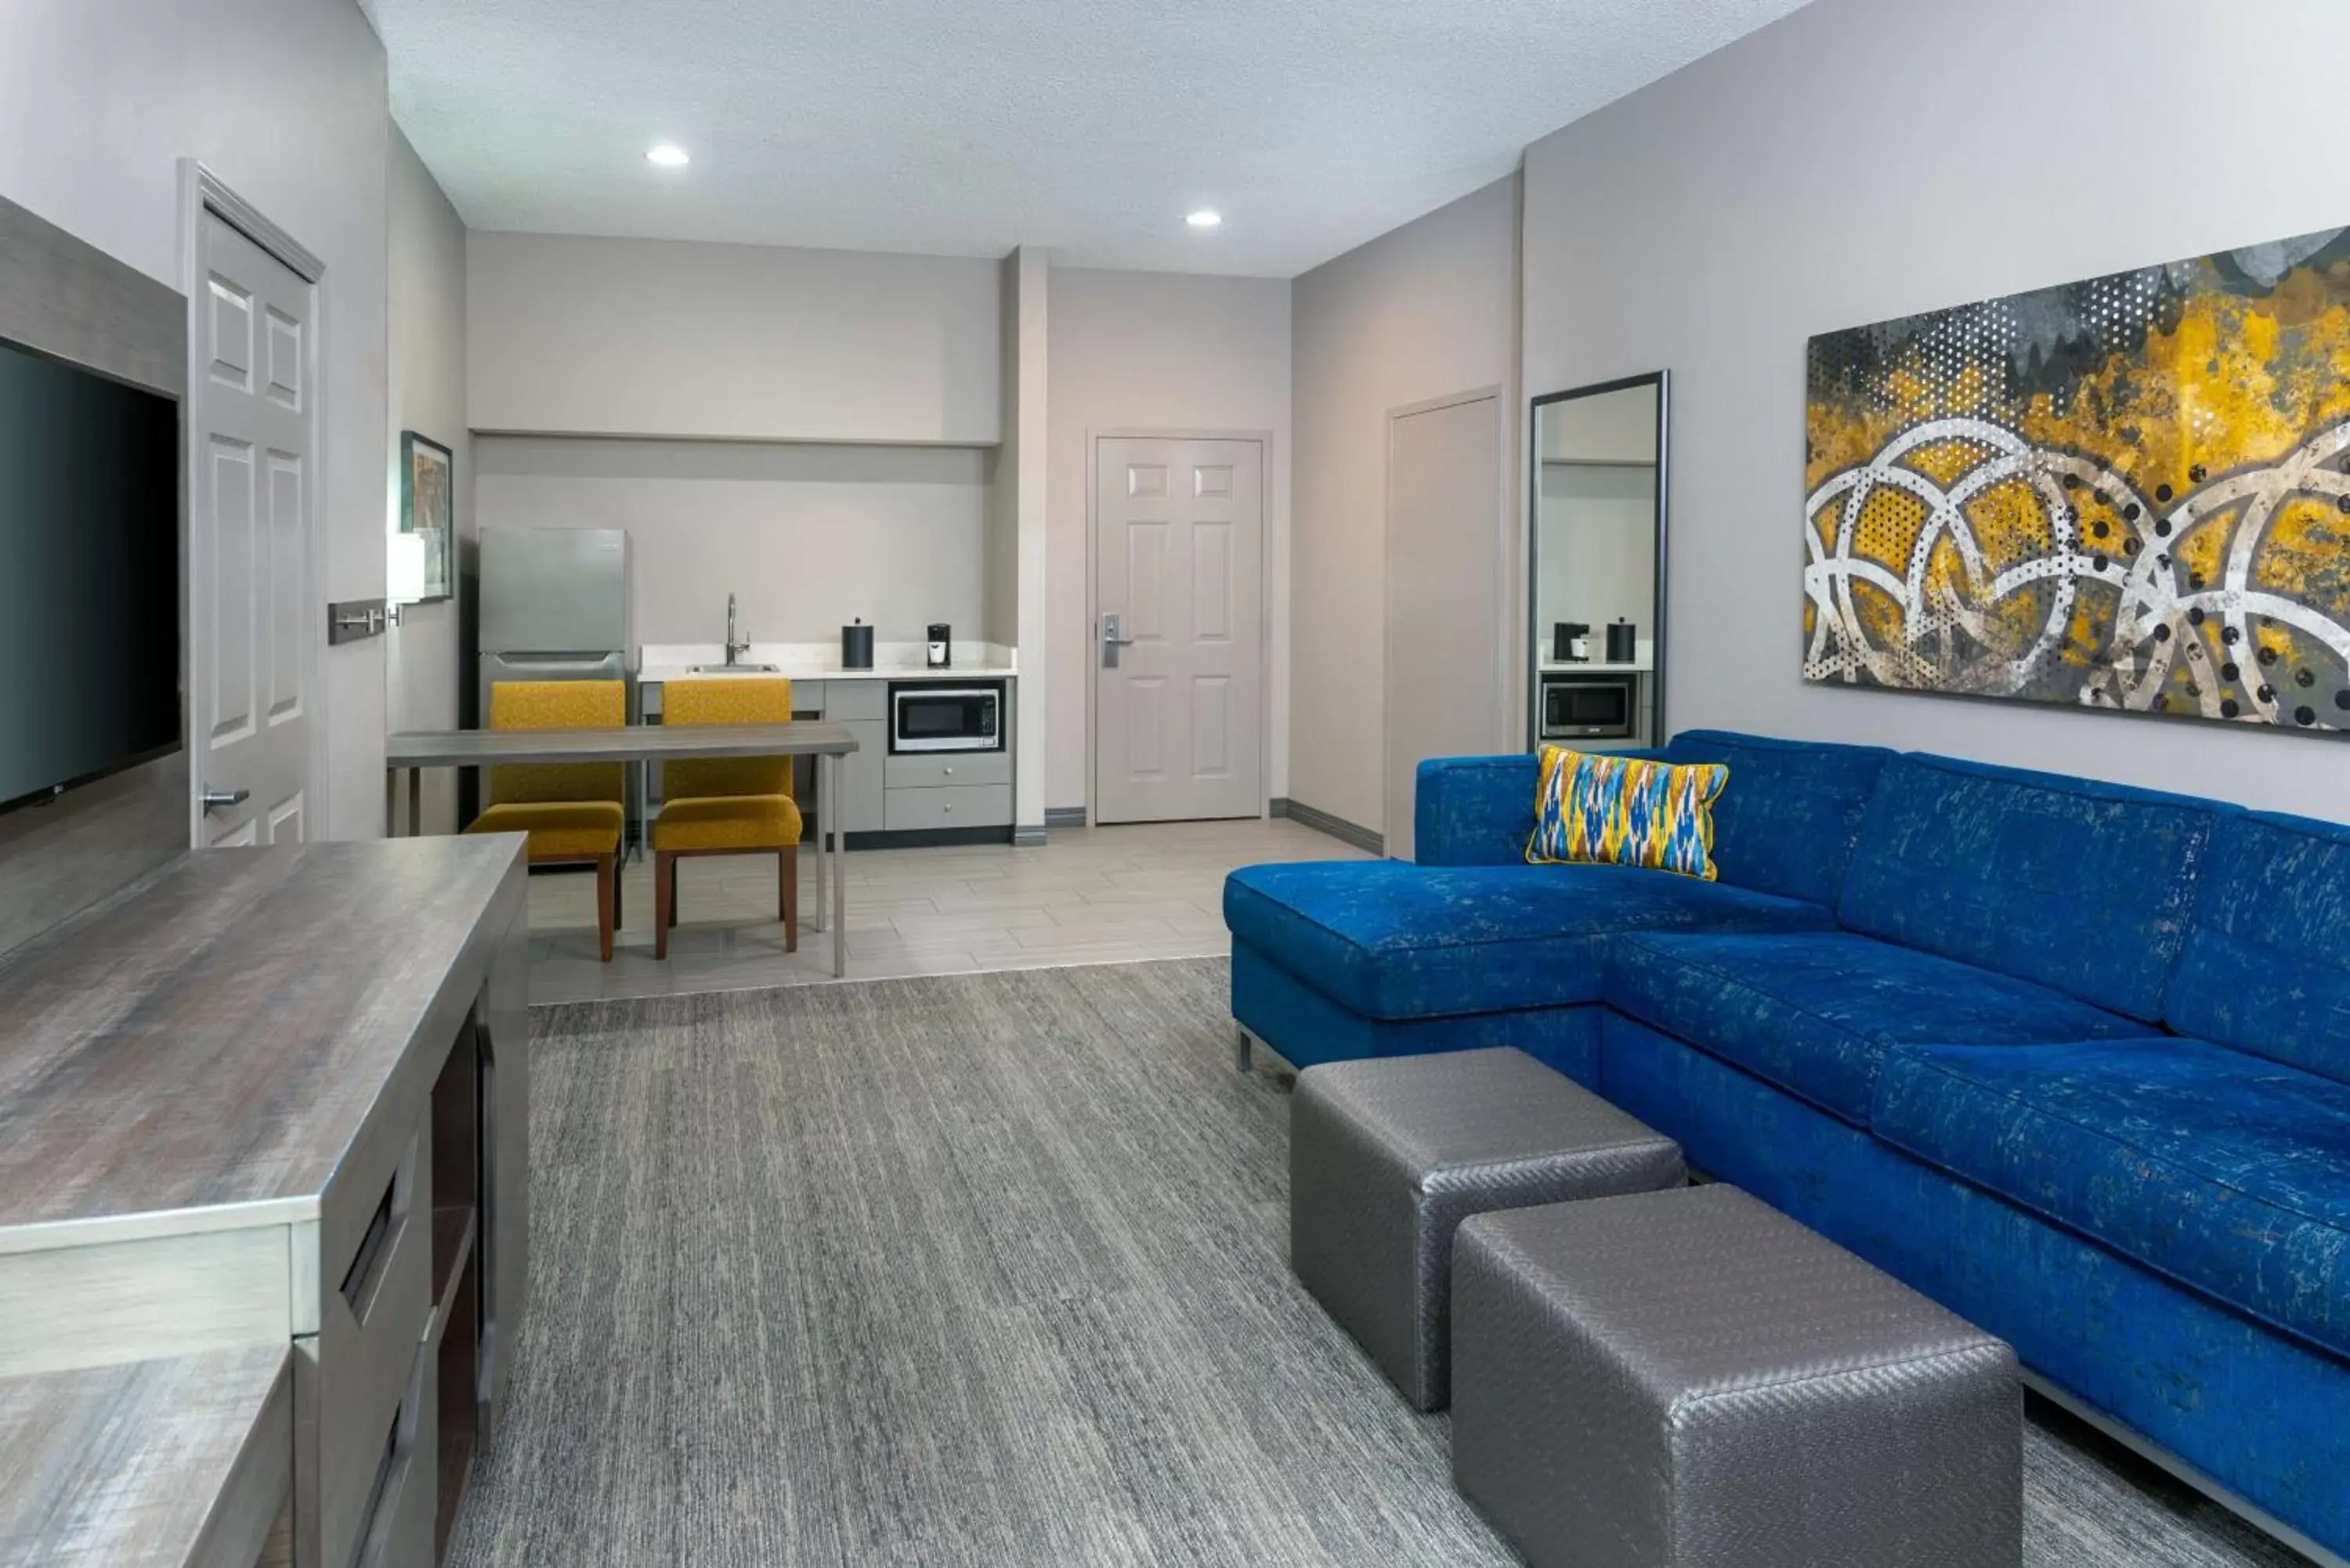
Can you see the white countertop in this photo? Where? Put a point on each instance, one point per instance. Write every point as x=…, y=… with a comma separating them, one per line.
x=1597, y=667
x=659, y=663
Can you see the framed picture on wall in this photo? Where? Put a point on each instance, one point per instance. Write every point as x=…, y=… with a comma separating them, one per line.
x=428, y=506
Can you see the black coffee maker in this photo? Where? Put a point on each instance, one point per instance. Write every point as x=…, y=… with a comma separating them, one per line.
x=1570, y=642
x=940, y=651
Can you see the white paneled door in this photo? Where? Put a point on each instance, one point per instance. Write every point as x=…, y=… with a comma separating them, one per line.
x=1179, y=639
x=250, y=666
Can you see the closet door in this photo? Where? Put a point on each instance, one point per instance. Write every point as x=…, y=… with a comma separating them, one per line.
x=1444, y=612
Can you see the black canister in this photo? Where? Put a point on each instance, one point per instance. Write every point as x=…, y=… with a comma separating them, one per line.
x=857, y=645
x=1623, y=642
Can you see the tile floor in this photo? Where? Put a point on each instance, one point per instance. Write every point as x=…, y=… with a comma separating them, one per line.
x=1093, y=895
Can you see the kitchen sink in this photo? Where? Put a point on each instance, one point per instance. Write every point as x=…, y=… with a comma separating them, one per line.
x=734, y=669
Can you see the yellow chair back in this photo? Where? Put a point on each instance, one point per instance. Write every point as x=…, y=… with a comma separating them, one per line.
x=557, y=705
x=734, y=700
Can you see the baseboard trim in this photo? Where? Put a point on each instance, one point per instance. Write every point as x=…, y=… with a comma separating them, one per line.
x=927, y=837
x=1030, y=835
x=1337, y=827
x=1063, y=816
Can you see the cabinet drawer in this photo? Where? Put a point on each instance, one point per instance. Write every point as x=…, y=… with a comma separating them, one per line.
x=353, y=1377
x=952, y=805
x=846, y=699
x=933, y=769
x=396, y=1531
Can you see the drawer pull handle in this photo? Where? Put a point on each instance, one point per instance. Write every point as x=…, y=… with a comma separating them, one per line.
x=375, y=1251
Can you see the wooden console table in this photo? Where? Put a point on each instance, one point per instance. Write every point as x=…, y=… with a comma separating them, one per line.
x=186, y=1462
x=277, y=1099
x=414, y=750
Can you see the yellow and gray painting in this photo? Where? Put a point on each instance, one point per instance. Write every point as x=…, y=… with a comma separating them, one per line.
x=2131, y=493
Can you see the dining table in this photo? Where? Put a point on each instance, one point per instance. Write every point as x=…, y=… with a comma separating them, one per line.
x=410, y=752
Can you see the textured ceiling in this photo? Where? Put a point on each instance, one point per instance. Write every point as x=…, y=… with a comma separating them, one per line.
x=966, y=127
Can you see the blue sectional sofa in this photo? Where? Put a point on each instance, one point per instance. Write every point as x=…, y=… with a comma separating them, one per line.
x=2072, y=1058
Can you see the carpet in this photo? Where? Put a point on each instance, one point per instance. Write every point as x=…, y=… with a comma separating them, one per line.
x=990, y=1269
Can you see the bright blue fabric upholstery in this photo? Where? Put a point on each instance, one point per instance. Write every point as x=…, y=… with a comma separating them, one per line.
x=1473, y=811
x=2158, y=1225
x=1307, y=1028
x=2226, y=1172
x=2267, y=964
x=1391, y=939
x=1816, y=1012
x=2084, y=888
x=2259, y=1411
x=1787, y=820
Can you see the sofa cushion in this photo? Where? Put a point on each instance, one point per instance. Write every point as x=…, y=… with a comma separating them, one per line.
x=1816, y=1012
x=1396, y=940
x=1787, y=820
x=2084, y=888
x=2226, y=1172
x=2267, y=964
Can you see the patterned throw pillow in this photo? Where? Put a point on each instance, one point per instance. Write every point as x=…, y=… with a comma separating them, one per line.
x=1625, y=811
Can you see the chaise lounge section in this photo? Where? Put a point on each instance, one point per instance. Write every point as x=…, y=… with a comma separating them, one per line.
x=2072, y=1059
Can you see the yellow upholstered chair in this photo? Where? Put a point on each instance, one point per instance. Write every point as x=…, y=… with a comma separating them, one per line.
x=734, y=806
x=572, y=810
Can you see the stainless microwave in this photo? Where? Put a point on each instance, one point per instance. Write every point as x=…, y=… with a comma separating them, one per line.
x=1590, y=707
x=932, y=716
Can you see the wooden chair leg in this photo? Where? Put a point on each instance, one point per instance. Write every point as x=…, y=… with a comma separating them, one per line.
x=607, y=894
x=664, y=900
x=789, y=860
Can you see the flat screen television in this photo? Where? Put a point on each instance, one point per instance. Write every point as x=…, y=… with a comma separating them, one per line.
x=89, y=575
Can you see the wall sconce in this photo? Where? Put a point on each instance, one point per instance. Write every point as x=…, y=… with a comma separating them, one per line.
x=403, y=572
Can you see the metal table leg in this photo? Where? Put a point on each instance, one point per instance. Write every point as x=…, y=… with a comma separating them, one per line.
x=390, y=802
x=817, y=918
x=839, y=894
x=416, y=803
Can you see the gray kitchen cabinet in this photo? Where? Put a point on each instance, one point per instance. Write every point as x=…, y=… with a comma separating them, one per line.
x=853, y=701
x=860, y=775
x=931, y=770
x=951, y=806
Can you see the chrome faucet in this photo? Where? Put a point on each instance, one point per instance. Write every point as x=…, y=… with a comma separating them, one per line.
x=733, y=647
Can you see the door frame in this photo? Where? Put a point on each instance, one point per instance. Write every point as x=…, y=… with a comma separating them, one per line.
x=1094, y=436
x=202, y=190
x=1505, y=508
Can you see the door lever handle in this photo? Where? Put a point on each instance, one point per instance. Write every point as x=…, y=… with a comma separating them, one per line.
x=215, y=799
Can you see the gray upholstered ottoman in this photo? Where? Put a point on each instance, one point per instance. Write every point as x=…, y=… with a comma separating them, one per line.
x=1693, y=1379
x=1387, y=1157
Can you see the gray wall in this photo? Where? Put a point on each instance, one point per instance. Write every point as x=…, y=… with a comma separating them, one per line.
x=284, y=99
x=1813, y=176
x=1142, y=350
x=603, y=336
x=805, y=536
x=1427, y=310
x=426, y=327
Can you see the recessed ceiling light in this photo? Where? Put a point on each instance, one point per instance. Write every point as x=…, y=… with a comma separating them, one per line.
x=1205, y=218
x=668, y=155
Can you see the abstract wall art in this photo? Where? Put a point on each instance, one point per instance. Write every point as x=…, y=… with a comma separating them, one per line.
x=2129, y=494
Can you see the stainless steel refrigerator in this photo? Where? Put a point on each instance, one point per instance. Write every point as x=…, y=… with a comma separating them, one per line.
x=555, y=607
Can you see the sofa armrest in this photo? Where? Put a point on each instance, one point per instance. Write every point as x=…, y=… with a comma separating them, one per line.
x=1479, y=811
x=1473, y=811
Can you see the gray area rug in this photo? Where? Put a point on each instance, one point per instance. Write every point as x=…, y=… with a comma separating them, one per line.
x=990, y=1270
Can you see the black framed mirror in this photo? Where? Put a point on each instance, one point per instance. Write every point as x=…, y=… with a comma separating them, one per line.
x=1596, y=566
